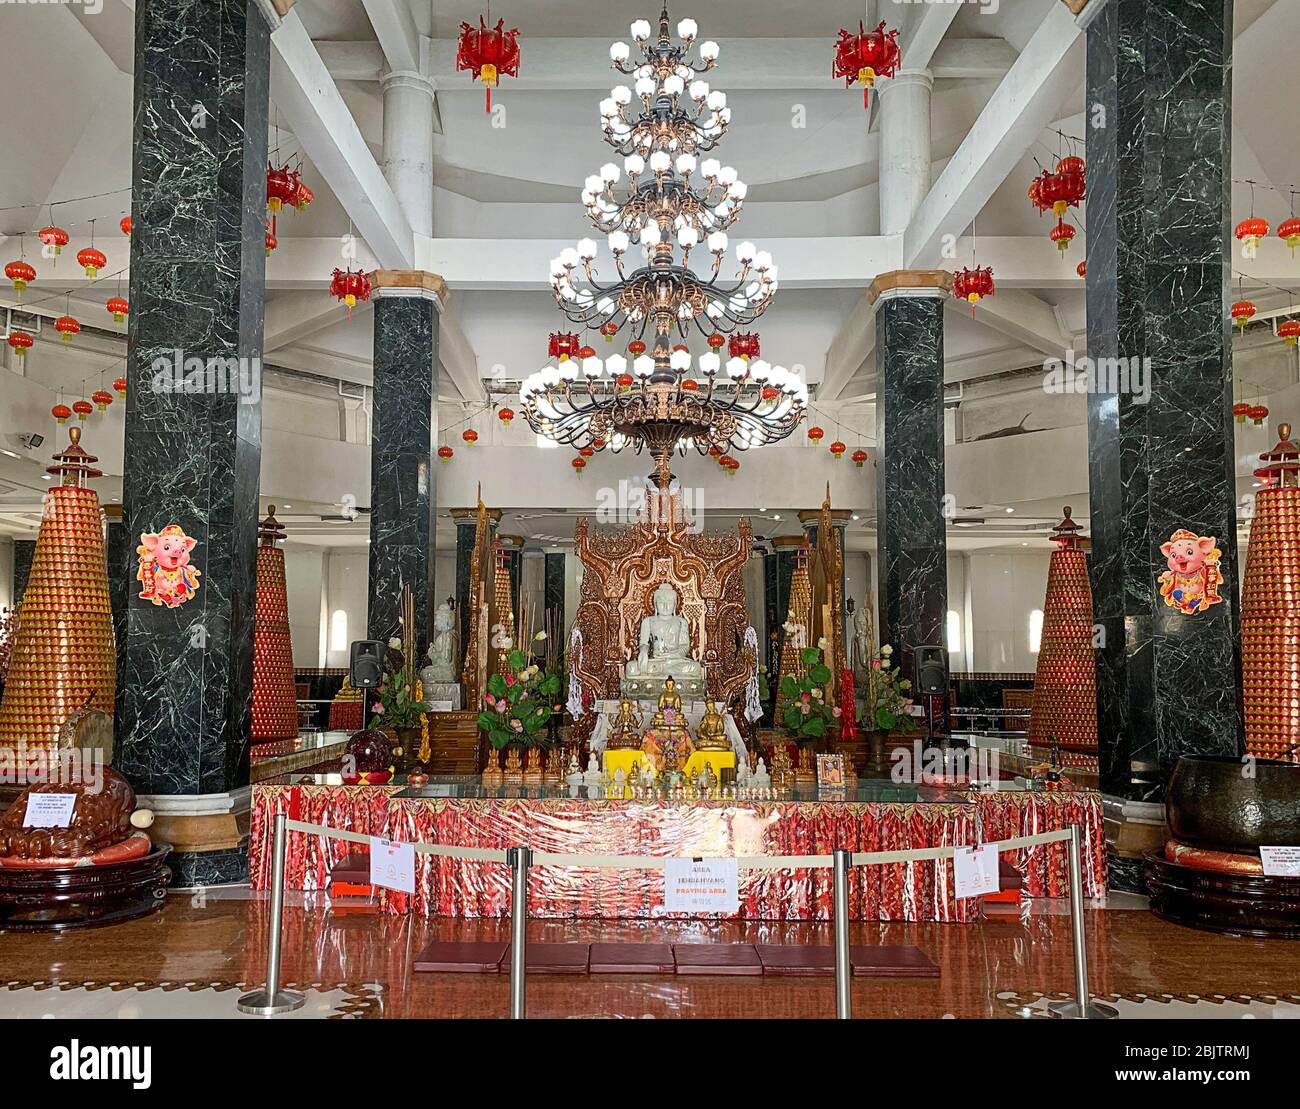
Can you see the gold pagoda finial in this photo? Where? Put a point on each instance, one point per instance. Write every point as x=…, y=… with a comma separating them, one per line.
x=270, y=530
x=1066, y=533
x=1282, y=469
x=74, y=465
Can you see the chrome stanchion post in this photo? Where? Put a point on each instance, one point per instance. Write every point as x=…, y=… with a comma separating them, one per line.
x=520, y=859
x=272, y=1000
x=1083, y=1005
x=840, y=899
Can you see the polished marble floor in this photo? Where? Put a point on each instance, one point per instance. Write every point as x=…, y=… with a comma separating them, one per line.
x=192, y=958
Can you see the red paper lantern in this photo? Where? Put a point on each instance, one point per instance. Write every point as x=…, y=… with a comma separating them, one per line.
x=1258, y=414
x=731, y=465
x=118, y=307
x=1251, y=231
x=816, y=434
x=271, y=241
x=859, y=457
x=488, y=53
x=636, y=348
x=20, y=342
x=586, y=352
x=838, y=449
x=1061, y=235
x=579, y=463
x=1242, y=311
x=865, y=56
x=717, y=341
x=689, y=385
x=505, y=415
x=53, y=236
x=102, y=398
x=125, y=225
x=1241, y=410
x=91, y=260
x=743, y=344
x=563, y=345
x=973, y=284
x=21, y=273
x=1290, y=231
x=120, y=386
x=350, y=286
x=61, y=412
x=281, y=187
x=445, y=453
x=82, y=408
x=586, y=452
x=67, y=327
x=1065, y=188
x=470, y=436
x=1082, y=268
x=303, y=196
x=1289, y=331
x=609, y=329
x=770, y=392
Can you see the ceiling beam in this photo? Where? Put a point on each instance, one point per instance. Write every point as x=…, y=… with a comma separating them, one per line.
x=292, y=316
x=745, y=64
x=925, y=32
x=1021, y=316
x=310, y=102
x=395, y=30
x=1026, y=101
x=849, y=351
x=810, y=262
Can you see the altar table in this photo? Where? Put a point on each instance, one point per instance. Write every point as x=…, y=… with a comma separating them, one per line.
x=917, y=891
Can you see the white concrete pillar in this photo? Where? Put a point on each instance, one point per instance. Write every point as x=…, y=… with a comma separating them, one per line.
x=407, y=158
x=904, y=147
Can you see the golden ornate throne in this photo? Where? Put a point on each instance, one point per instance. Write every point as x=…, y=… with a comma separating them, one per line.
x=623, y=566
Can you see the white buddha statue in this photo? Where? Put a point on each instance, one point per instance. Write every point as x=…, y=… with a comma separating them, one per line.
x=663, y=651
x=441, y=669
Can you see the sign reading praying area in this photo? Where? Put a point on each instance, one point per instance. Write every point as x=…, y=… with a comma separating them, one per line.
x=975, y=870
x=701, y=886
x=392, y=865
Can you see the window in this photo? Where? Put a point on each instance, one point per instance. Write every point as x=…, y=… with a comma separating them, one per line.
x=954, y=632
x=339, y=630
x=1035, y=630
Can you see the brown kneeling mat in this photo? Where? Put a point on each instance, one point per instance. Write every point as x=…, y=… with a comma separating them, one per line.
x=461, y=958
x=552, y=958
x=632, y=958
x=717, y=958
x=796, y=960
x=886, y=960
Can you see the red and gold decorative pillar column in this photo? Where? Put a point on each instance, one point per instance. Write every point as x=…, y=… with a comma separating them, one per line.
x=63, y=655
x=1064, y=712
x=1270, y=608
x=275, y=698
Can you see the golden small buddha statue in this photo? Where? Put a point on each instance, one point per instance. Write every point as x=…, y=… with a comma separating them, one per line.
x=625, y=731
x=711, y=735
x=668, y=740
x=668, y=699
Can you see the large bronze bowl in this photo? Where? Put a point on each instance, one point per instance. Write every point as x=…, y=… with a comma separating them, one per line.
x=1233, y=804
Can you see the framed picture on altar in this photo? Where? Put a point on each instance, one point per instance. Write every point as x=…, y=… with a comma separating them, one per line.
x=830, y=771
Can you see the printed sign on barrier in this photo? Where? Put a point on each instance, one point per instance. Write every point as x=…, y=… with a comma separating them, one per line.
x=975, y=870
x=392, y=865
x=701, y=886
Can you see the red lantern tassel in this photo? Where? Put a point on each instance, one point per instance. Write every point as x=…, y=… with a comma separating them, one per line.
x=866, y=96
x=487, y=99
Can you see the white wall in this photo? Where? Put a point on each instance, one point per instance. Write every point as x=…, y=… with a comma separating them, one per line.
x=1004, y=588
x=305, y=588
x=346, y=574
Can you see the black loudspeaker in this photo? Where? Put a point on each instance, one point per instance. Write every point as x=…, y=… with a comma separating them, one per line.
x=930, y=667
x=366, y=663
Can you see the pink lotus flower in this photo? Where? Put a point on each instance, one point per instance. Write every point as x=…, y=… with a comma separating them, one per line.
x=876, y=664
x=836, y=712
x=379, y=710
x=490, y=699
x=510, y=679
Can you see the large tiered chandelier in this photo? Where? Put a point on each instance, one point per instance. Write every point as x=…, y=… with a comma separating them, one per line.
x=670, y=202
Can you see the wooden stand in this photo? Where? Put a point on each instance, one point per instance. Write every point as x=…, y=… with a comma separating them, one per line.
x=1238, y=904
x=58, y=899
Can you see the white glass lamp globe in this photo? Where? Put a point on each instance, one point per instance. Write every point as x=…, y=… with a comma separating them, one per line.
x=643, y=365
x=687, y=29
x=640, y=30
x=680, y=360
x=621, y=94
x=709, y=51
x=616, y=364
x=718, y=242
x=618, y=242
x=737, y=368
x=619, y=51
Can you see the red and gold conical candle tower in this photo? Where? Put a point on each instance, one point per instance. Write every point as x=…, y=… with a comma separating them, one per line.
x=275, y=697
x=63, y=656
x=1270, y=608
x=1064, y=712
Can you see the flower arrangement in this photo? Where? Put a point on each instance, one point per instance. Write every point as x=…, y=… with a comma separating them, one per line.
x=887, y=702
x=806, y=712
x=520, y=703
x=397, y=706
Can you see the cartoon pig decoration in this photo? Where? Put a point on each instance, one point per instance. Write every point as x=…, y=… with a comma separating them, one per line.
x=165, y=568
x=1191, y=584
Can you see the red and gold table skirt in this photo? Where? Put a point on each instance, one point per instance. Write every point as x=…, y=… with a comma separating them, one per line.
x=902, y=891
x=309, y=858
x=898, y=891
